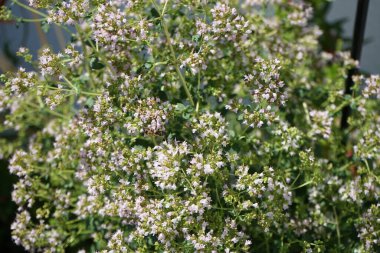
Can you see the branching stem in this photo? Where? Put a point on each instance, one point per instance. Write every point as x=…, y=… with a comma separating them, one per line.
x=174, y=58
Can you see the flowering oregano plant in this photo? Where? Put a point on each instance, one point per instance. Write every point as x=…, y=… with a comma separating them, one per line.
x=191, y=126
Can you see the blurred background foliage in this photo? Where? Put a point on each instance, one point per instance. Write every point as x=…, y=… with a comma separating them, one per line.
x=330, y=41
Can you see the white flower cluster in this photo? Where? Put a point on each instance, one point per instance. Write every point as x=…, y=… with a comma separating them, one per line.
x=368, y=146
x=262, y=2
x=372, y=87
x=227, y=25
x=368, y=229
x=166, y=166
x=300, y=15
x=353, y=191
x=210, y=129
x=69, y=12
x=151, y=115
x=49, y=62
x=265, y=82
x=290, y=138
x=22, y=81
x=321, y=123
x=194, y=62
x=114, y=27
x=258, y=188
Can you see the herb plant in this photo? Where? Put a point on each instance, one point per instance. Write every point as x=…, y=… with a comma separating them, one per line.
x=190, y=126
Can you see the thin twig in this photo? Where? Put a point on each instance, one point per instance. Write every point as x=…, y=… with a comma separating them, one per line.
x=174, y=58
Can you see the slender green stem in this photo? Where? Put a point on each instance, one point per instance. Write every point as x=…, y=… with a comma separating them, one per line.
x=40, y=102
x=345, y=103
x=29, y=8
x=55, y=113
x=187, y=180
x=304, y=184
x=55, y=88
x=369, y=170
x=164, y=9
x=154, y=140
x=282, y=243
x=198, y=93
x=155, y=65
x=31, y=20
x=81, y=91
x=85, y=53
x=90, y=93
x=337, y=227
x=175, y=61
x=267, y=244
x=306, y=113
x=217, y=197
x=295, y=180
x=222, y=208
x=71, y=85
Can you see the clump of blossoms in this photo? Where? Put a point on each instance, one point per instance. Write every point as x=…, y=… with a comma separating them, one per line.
x=190, y=126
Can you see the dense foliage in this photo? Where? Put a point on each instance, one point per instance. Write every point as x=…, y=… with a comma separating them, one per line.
x=191, y=126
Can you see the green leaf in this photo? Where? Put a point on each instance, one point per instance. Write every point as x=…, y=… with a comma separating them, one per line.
x=180, y=107
x=95, y=63
x=90, y=102
x=186, y=115
x=45, y=26
x=154, y=13
x=195, y=38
